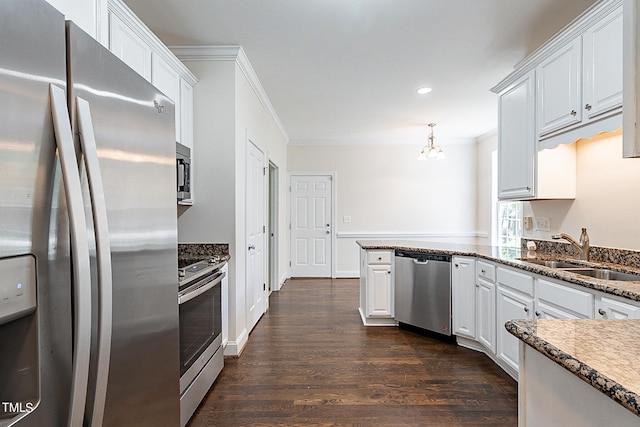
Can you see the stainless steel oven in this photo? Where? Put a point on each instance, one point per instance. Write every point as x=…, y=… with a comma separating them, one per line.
x=200, y=315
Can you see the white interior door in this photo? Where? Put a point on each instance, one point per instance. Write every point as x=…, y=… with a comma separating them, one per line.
x=311, y=227
x=256, y=229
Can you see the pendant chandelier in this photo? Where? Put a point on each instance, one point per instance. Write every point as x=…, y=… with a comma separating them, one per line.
x=431, y=151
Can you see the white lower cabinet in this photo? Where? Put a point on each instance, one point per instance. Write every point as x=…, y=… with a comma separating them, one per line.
x=610, y=307
x=463, y=273
x=379, y=301
x=514, y=301
x=555, y=300
x=376, y=288
x=486, y=314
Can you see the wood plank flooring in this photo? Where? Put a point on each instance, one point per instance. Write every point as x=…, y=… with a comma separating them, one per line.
x=310, y=361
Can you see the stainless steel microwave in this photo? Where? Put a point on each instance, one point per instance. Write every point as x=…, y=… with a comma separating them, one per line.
x=183, y=171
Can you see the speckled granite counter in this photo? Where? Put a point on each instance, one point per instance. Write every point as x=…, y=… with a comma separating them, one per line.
x=603, y=353
x=510, y=256
x=190, y=253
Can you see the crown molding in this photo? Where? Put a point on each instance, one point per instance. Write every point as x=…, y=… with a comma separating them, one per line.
x=231, y=53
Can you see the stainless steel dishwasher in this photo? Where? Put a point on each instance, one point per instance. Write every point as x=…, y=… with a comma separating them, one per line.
x=423, y=290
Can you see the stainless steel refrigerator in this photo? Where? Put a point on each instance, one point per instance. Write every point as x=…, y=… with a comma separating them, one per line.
x=88, y=252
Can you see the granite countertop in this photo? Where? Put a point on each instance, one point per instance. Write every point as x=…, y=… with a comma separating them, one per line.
x=511, y=257
x=603, y=353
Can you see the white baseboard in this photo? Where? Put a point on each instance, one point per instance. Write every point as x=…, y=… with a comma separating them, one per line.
x=347, y=274
x=234, y=348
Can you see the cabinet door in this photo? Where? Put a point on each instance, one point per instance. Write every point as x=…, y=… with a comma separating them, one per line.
x=464, y=296
x=603, y=65
x=516, y=140
x=511, y=306
x=186, y=114
x=608, y=308
x=559, y=88
x=129, y=47
x=167, y=80
x=486, y=314
x=379, y=302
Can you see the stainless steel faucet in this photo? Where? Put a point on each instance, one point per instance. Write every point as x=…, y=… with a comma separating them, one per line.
x=583, y=246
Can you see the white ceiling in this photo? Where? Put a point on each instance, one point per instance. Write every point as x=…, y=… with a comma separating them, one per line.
x=346, y=71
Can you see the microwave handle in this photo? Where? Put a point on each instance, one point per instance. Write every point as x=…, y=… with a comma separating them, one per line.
x=180, y=164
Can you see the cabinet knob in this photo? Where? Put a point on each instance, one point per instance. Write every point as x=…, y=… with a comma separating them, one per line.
x=537, y=314
x=573, y=113
x=601, y=312
x=389, y=272
x=528, y=188
x=483, y=270
x=526, y=309
x=587, y=107
x=477, y=286
x=457, y=265
x=379, y=258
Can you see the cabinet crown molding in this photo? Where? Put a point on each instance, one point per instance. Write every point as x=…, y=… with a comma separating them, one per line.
x=231, y=53
x=572, y=30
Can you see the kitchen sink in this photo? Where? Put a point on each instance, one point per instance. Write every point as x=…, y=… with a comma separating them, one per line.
x=551, y=263
x=604, y=273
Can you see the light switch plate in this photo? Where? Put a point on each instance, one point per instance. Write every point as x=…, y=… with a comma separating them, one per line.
x=543, y=223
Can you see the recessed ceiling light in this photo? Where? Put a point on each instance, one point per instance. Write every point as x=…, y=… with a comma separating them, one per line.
x=424, y=90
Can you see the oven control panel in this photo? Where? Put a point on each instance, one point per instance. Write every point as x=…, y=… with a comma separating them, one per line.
x=17, y=287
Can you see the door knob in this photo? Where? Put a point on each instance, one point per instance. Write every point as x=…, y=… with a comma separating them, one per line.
x=251, y=247
x=328, y=232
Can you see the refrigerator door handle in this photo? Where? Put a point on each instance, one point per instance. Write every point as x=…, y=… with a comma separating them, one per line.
x=103, y=256
x=79, y=253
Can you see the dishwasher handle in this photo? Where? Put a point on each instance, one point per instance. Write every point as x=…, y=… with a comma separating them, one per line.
x=421, y=262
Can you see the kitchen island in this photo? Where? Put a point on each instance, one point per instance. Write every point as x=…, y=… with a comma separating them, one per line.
x=569, y=367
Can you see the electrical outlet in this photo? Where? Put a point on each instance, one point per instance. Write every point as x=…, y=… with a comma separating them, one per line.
x=543, y=223
x=346, y=219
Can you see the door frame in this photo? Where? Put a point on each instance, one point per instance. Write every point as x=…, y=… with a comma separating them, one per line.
x=265, y=188
x=333, y=177
x=273, y=225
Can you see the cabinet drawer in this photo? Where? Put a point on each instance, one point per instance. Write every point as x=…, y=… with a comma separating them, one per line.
x=565, y=297
x=514, y=280
x=486, y=271
x=379, y=257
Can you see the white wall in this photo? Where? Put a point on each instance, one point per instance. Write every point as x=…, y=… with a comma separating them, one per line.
x=226, y=109
x=487, y=144
x=607, y=201
x=385, y=189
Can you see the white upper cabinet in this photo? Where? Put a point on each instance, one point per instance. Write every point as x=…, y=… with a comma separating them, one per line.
x=129, y=46
x=558, y=81
x=167, y=80
x=186, y=113
x=631, y=81
x=516, y=139
x=602, y=71
x=570, y=88
x=582, y=81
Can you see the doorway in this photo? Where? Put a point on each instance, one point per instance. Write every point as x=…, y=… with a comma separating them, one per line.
x=256, y=216
x=312, y=232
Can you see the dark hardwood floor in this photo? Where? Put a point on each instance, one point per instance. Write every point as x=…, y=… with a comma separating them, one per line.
x=310, y=361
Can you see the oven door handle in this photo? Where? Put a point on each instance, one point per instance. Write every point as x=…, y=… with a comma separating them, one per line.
x=189, y=295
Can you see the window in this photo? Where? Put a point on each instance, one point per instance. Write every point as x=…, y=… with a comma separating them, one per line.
x=506, y=227
x=509, y=223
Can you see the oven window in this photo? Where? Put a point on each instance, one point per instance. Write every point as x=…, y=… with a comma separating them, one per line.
x=200, y=324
